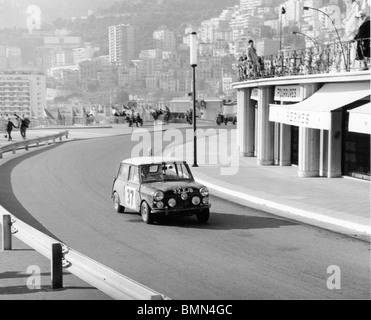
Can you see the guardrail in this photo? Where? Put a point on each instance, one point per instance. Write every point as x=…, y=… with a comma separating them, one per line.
x=13, y=147
x=62, y=257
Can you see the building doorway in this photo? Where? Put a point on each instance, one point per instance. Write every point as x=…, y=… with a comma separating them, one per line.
x=355, y=152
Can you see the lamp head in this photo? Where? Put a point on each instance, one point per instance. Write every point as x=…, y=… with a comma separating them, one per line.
x=306, y=8
x=193, y=49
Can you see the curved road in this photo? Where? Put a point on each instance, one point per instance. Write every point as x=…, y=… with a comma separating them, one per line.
x=241, y=254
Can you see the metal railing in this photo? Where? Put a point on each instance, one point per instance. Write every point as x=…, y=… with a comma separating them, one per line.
x=321, y=59
x=62, y=257
x=26, y=144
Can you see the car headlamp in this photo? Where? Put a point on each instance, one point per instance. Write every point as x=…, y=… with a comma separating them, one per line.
x=196, y=201
x=172, y=203
x=204, y=191
x=160, y=205
x=159, y=196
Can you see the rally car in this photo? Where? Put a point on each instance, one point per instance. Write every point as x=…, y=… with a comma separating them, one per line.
x=157, y=186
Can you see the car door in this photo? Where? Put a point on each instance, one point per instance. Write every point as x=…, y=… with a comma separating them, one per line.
x=132, y=195
x=121, y=181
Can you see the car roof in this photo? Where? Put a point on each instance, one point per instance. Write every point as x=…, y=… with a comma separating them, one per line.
x=151, y=160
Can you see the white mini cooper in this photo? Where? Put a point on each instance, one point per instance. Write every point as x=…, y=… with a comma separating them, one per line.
x=156, y=186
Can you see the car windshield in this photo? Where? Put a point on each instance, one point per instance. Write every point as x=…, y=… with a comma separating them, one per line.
x=165, y=172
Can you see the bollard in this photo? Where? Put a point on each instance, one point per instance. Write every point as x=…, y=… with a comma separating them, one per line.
x=7, y=233
x=56, y=266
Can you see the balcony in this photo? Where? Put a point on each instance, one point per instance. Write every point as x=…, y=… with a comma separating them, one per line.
x=325, y=59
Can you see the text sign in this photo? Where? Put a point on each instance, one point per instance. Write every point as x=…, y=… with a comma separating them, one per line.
x=300, y=118
x=288, y=94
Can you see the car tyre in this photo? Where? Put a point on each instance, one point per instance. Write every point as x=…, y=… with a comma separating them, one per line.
x=203, y=216
x=146, y=213
x=117, y=204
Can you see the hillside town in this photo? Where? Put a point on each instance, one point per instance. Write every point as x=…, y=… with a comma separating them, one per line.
x=67, y=75
x=171, y=151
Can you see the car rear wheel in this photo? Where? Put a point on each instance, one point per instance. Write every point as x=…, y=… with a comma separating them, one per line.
x=203, y=216
x=146, y=213
x=116, y=204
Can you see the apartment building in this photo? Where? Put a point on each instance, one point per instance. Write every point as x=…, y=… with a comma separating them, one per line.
x=123, y=44
x=84, y=53
x=87, y=73
x=22, y=93
x=165, y=40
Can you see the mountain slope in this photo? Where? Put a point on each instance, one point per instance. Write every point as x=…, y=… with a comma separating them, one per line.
x=13, y=13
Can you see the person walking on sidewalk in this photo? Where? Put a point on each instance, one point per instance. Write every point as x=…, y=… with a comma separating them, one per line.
x=9, y=128
x=24, y=122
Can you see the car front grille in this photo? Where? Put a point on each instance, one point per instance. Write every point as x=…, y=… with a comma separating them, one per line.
x=182, y=204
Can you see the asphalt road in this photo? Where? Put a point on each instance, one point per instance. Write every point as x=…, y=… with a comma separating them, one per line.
x=241, y=253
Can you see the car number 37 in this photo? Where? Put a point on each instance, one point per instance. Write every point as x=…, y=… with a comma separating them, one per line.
x=130, y=197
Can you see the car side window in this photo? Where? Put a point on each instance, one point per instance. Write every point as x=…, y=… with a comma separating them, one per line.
x=134, y=174
x=124, y=171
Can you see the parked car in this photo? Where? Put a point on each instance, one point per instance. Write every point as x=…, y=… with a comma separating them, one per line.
x=230, y=118
x=156, y=186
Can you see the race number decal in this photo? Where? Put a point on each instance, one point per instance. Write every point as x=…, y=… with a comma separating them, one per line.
x=130, y=197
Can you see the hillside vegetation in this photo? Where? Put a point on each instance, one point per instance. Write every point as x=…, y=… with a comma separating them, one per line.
x=148, y=15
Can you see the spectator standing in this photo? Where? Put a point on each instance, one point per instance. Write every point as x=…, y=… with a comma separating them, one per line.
x=9, y=128
x=24, y=122
x=252, y=59
x=363, y=40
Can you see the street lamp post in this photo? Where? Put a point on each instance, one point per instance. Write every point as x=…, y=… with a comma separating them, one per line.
x=193, y=54
x=337, y=32
x=283, y=11
x=297, y=32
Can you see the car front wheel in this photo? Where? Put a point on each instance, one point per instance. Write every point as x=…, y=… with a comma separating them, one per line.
x=146, y=213
x=203, y=216
x=116, y=204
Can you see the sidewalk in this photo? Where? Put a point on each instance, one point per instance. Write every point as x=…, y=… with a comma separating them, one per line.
x=341, y=205
x=19, y=265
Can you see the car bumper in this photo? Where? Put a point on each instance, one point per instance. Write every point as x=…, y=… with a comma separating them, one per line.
x=180, y=211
